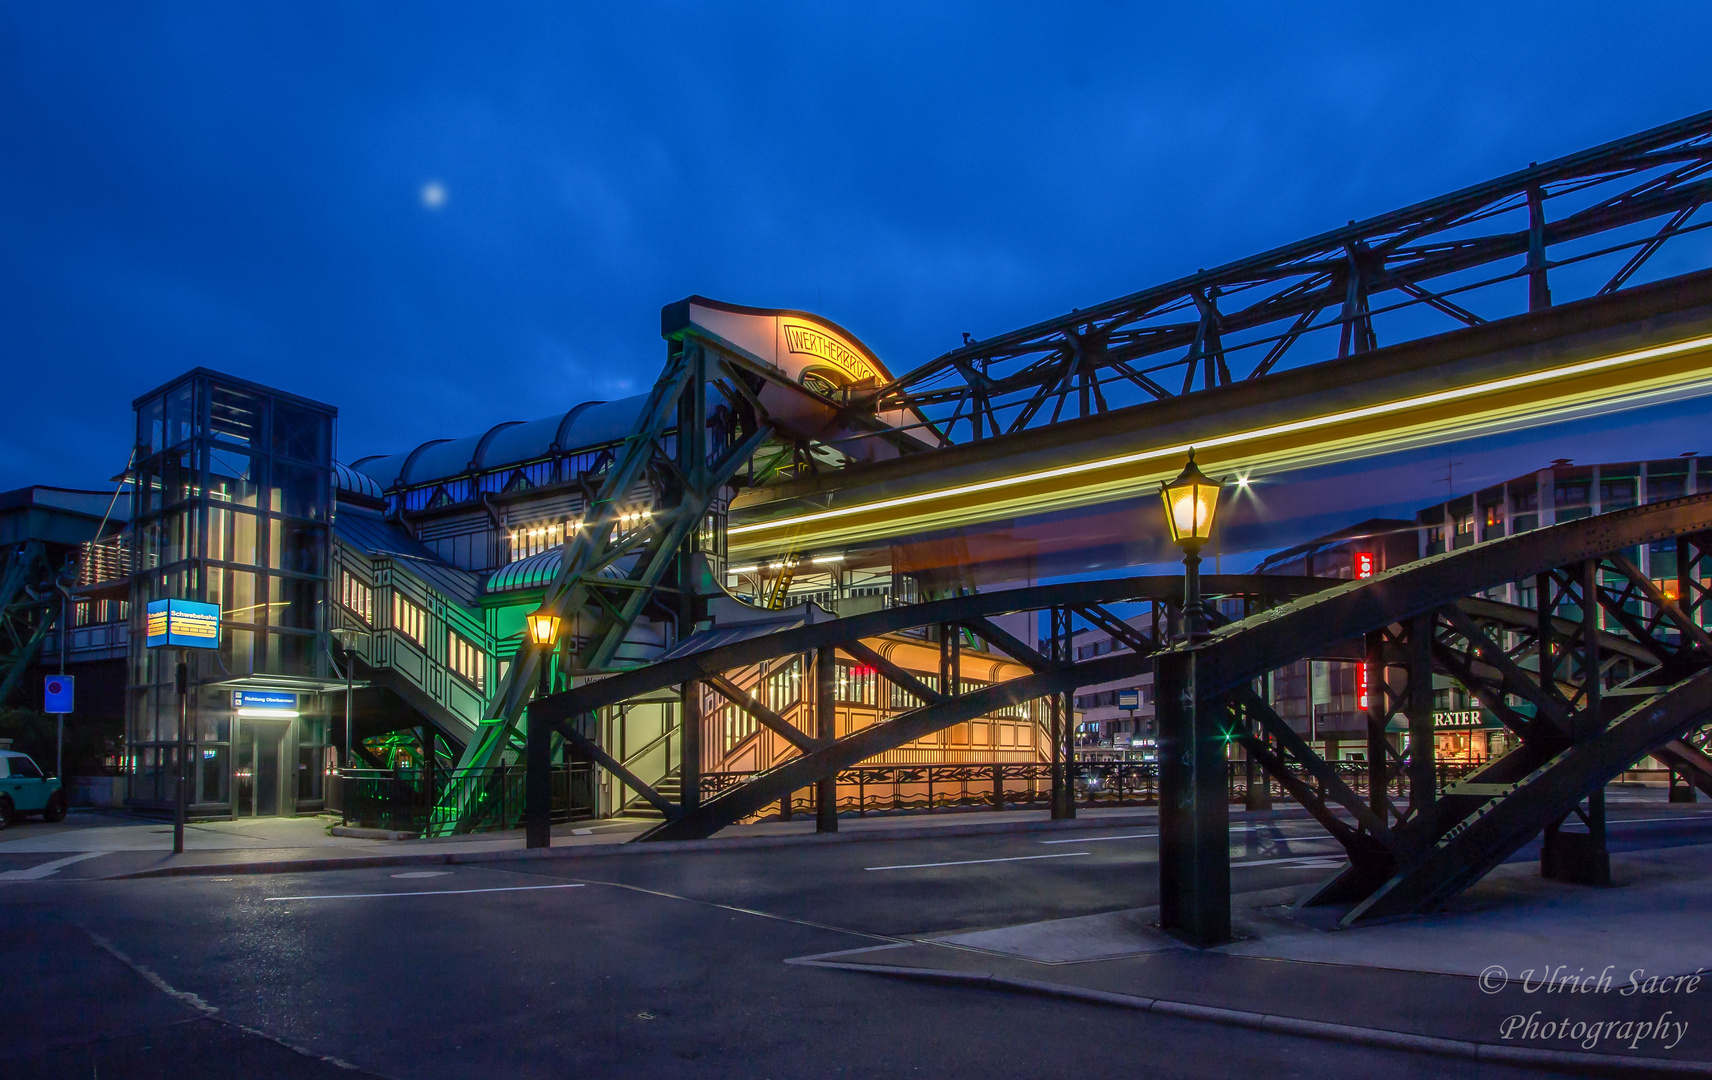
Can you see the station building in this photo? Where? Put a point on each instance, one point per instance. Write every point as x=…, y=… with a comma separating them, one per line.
x=392, y=590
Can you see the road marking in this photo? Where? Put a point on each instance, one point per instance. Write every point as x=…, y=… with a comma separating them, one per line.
x=47, y=869
x=1144, y=836
x=418, y=892
x=1314, y=862
x=1097, y=839
x=972, y=862
x=423, y=873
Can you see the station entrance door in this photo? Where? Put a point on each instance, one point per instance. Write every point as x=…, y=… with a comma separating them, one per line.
x=261, y=774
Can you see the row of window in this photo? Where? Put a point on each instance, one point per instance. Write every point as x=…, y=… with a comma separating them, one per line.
x=534, y=539
x=92, y=612
x=409, y=619
x=465, y=659
x=355, y=597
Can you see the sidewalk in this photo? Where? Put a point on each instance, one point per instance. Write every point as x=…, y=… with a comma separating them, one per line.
x=1519, y=970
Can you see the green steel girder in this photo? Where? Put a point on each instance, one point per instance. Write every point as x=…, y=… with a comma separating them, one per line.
x=611, y=577
x=29, y=607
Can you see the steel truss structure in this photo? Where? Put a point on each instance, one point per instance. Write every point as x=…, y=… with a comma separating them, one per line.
x=1583, y=225
x=622, y=562
x=1607, y=667
x=1054, y=678
x=30, y=604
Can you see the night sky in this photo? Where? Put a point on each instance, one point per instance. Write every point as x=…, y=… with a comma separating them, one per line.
x=437, y=217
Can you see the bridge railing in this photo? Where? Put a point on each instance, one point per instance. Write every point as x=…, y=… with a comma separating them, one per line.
x=899, y=789
x=403, y=800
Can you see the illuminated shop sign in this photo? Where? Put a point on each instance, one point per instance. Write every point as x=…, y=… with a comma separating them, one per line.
x=1465, y=718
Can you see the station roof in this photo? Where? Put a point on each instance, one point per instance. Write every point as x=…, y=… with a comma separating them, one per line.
x=514, y=442
x=370, y=532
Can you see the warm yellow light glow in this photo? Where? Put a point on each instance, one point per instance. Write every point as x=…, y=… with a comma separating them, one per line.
x=1191, y=500
x=821, y=559
x=543, y=627
x=1471, y=393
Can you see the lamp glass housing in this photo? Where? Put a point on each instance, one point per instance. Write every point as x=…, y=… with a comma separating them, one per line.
x=1191, y=502
x=543, y=627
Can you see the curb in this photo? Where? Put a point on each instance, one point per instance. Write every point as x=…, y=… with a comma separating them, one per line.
x=713, y=845
x=1624, y=1068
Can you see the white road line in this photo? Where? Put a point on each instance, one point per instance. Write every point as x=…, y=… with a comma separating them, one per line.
x=1139, y=836
x=36, y=873
x=1314, y=861
x=419, y=892
x=972, y=862
x=1097, y=839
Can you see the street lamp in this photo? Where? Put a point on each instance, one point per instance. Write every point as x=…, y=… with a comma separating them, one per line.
x=537, y=749
x=347, y=642
x=1191, y=502
x=543, y=627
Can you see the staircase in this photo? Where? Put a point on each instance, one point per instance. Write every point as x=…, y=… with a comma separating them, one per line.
x=670, y=788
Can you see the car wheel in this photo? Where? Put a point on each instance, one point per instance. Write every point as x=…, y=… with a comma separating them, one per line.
x=55, y=809
x=7, y=813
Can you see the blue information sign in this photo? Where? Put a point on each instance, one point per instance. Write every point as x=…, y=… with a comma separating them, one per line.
x=265, y=701
x=58, y=692
x=183, y=623
x=1129, y=699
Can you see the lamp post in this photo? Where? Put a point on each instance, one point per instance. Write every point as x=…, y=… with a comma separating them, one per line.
x=1191, y=502
x=1194, y=816
x=347, y=642
x=538, y=747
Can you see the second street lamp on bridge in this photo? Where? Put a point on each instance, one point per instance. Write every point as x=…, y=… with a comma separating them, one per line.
x=1191, y=503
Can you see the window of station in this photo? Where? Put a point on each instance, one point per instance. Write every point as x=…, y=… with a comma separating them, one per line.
x=409, y=619
x=903, y=699
x=782, y=688
x=735, y=724
x=530, y=540
x=857, y=684
x=355, y=597
x=465, y=659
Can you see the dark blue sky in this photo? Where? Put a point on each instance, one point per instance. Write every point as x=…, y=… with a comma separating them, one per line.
x=242, y=185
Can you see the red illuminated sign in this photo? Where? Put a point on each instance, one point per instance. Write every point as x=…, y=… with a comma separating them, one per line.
x=1363, y=569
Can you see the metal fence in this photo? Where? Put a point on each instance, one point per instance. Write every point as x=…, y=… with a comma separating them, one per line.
x=403, y=800
x=887, y=789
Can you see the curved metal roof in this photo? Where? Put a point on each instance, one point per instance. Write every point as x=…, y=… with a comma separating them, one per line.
x=534, y=572
x=348, y=479
x=513, y=442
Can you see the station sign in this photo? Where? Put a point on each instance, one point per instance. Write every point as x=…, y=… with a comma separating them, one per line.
x=264, y=703
x=1129, y=699
x=187, y=624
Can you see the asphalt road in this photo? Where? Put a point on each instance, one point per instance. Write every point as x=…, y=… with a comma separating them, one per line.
x=632, y=966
